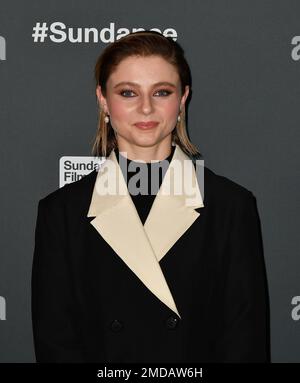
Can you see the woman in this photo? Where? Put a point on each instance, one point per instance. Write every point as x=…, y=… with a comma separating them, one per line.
x=121, y=275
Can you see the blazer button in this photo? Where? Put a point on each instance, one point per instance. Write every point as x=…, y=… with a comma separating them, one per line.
x=171, y=322
x=116, y=325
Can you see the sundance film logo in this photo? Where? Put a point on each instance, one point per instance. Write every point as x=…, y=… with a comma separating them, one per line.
x=2, y=48
x=2, y=308
x=296, y=310
x=73, y=168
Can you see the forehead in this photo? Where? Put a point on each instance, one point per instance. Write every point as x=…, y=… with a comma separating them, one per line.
x=144, y=69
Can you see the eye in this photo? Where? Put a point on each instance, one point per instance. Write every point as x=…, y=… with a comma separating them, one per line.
x=166, y=92
x=125, y=91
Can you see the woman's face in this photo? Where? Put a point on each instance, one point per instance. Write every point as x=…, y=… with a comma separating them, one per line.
x=143, y=89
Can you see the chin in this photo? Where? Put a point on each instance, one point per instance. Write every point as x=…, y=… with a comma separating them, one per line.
x=145, y=141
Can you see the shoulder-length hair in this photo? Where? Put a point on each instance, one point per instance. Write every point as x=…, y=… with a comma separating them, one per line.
x=141, y=43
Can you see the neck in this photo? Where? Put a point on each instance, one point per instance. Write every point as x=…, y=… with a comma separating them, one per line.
x=147, y=154
x=142, y=162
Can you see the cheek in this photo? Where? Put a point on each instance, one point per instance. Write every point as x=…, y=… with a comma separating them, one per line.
x=119, y=110
x=170, y=110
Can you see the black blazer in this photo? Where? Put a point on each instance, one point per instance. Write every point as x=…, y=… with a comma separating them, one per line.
x=108, y=289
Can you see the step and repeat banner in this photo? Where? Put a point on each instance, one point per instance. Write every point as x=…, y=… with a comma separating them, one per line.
x=243, y=116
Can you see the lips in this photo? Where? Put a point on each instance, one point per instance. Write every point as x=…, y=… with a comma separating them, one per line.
x=146, y=125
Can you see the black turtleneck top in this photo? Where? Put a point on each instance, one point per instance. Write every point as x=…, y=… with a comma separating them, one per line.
x=144, y=199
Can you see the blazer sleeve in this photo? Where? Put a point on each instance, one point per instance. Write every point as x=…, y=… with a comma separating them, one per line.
x=52, y=304
x=244, y=335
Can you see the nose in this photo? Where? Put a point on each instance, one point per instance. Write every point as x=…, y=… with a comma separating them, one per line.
x=146, y=104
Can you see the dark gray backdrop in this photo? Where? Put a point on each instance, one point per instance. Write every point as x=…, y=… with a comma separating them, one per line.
x=244, y=117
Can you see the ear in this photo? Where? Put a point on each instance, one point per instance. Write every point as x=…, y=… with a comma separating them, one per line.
x=185, y=95
x=101, y=99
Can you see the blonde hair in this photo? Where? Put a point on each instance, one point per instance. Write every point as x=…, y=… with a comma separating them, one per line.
x=142, y=43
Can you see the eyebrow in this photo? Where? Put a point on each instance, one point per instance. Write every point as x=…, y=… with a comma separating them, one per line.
x=136, y=84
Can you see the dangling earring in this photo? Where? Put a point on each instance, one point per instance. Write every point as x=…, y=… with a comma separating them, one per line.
x=179, y=117
x=106, y=118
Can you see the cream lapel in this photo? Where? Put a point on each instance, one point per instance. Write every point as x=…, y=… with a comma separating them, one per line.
x=140, y=246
